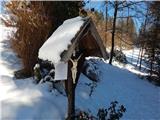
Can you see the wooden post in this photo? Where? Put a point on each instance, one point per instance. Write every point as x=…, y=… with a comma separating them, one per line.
x=71, y=94
x=71, y=87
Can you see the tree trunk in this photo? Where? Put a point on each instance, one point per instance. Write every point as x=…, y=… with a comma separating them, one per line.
x=106, y=25
x=140, y=62
x=138, y=57
x=143, y=46
x=152, y=61
x=113, y=31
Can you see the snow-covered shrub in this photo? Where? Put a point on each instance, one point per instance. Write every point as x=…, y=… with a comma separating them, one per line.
x=44, y=71
x=111, y=113
x=92, y=86
x=114, y=113
x=120, y=56
x=20, y=74
x=37, y=73
x=91, y=70
x=83, y=115
x=102, y=113
x=154, y=71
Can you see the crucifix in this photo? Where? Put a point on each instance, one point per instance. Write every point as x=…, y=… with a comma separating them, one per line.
x=74, y=68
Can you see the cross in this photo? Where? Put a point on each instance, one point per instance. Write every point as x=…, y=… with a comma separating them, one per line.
x=74, y=68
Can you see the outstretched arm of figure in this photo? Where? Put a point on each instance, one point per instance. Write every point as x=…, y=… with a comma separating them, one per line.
x=76, y=60
x=79, y=57
x=71, y=60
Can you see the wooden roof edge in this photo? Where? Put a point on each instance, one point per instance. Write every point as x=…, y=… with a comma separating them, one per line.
x=98, y=39
x=66, y=54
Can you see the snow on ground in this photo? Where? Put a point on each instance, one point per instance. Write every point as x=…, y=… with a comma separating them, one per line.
x=132, y=57
x=60, y=39
x=7, y=64
x=23, y=100
x=141, y=99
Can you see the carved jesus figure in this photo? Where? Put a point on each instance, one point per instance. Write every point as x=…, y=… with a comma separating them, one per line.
x=74, y=68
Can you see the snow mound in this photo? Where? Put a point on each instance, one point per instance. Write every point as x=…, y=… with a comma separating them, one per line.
x=60, y=39
x=23, y=100
x=140, y=97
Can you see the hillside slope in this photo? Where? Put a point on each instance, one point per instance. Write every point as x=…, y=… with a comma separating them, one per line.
x=141, y=98
x=22, y=99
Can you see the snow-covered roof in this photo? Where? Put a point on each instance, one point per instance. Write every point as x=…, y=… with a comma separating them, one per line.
x=60, y=40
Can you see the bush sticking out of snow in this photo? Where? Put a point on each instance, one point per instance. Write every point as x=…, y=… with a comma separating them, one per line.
x=37, y=73
x=111, y=113
x=45, y=67
x=21, y=74
x=44, y=71
x=92, y=86
x=114, y=113
x=120, y=56
x=91, y=70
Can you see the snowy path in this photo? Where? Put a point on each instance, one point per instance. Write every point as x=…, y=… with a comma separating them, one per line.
x=27, y=102
x=23, y=100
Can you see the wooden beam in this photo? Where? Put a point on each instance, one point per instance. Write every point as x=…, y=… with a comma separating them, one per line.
x=70, y=94
x=98, y=39
x=65, y=56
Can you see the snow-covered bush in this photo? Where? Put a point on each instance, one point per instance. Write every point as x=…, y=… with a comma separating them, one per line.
x=120, y=56
x=20, y=74
x=111, y=113
x=91, y=70
x=37, y=73
x=84, y=115
x=92, y=86
x=44, y=71
x=114, y=113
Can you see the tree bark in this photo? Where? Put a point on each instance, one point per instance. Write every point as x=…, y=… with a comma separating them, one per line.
x=143, y=46
x=113, y=31
x=152, y=61
x=106, y=25
x=141, y=56
x=138, y=57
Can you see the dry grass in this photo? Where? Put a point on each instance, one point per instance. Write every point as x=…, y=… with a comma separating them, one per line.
x=33, y=28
